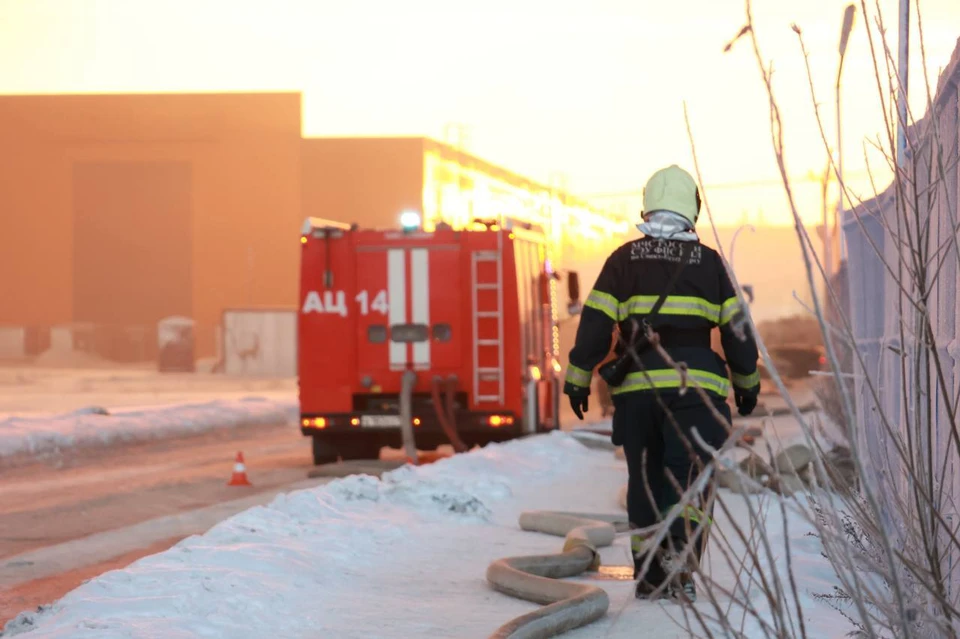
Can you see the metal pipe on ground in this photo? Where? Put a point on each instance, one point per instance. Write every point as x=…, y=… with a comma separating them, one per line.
x=407, y=382
x=535, y=577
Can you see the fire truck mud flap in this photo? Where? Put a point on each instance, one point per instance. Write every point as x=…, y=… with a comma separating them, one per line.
x=331, y=447
x=375, y=467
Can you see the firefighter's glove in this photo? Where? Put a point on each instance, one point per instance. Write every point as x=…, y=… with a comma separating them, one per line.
x=579, y=397
x=579, y=404
x=745, y=401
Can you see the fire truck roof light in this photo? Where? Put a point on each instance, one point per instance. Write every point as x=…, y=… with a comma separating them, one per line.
x=410, y=220
x=312, y=224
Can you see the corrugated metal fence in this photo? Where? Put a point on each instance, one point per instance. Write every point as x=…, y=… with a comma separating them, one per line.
x=924, y=212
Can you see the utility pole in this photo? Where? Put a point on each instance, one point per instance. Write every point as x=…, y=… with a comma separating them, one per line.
x=832, y=231
x=902, y=63
x=848, y=16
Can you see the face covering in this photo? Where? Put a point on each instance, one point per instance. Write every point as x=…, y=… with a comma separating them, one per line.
x=668, y=225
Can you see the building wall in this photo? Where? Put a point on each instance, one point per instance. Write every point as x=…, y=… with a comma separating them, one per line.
x=371, y=181
x=368, y=181
x=118, y=210
x=199, y=188
x=134, y=207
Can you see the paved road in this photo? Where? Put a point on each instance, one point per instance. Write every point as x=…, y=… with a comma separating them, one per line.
x=65, y=522
x=111, y=488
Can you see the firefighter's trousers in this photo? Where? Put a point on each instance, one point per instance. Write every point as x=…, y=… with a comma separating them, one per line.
x=654, y=445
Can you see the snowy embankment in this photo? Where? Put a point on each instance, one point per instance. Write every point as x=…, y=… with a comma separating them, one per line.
x=95, y=426
x=404, y=556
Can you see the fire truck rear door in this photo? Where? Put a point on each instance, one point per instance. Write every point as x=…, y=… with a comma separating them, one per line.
x=408, y=305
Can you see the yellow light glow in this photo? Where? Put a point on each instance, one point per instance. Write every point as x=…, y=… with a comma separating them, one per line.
x=458, y=194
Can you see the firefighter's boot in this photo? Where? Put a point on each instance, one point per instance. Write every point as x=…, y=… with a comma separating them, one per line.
x=654, y=578
x=669, y=576
x=682, y=588
x=679, y=560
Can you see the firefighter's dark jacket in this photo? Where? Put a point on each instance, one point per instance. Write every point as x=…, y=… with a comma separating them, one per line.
x=702, y=298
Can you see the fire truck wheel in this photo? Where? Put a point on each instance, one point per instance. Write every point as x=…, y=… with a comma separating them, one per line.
x=327, y=449
x=323, y=452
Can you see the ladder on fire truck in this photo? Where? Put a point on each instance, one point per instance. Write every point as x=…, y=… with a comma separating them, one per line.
x=487, y=341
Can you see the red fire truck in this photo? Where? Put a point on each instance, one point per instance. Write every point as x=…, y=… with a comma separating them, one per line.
x=467, y=317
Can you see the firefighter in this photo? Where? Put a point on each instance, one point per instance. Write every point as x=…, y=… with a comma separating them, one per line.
x=655, y=406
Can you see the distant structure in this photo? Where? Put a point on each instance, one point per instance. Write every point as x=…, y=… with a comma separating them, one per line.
x=372, y=180
x=122, y=210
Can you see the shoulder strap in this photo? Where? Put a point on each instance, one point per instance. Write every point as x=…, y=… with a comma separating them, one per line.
x=669, y=287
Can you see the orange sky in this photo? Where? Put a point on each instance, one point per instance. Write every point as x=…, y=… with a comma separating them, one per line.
x=590, y=89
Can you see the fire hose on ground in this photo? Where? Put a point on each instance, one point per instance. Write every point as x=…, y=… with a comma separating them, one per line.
x=536, y=578
x=443, y=405
x=445, y=411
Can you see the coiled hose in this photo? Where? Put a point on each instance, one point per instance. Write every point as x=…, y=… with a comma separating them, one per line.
x=536, y=578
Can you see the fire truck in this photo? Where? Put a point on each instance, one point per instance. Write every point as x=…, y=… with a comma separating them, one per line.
x=451, y=335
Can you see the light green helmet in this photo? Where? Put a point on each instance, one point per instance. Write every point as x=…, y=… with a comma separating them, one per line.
x=672, y=189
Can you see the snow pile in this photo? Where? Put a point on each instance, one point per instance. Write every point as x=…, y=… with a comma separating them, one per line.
x=400, y=557
x=96, y=426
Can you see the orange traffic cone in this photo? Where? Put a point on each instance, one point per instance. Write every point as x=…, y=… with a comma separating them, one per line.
x=239, y=477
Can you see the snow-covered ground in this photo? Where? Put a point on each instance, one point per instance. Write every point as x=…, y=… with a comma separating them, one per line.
x=404, y=556
x=40, y=435
x=52, y=408
x=36, y=390
x=48, y=408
